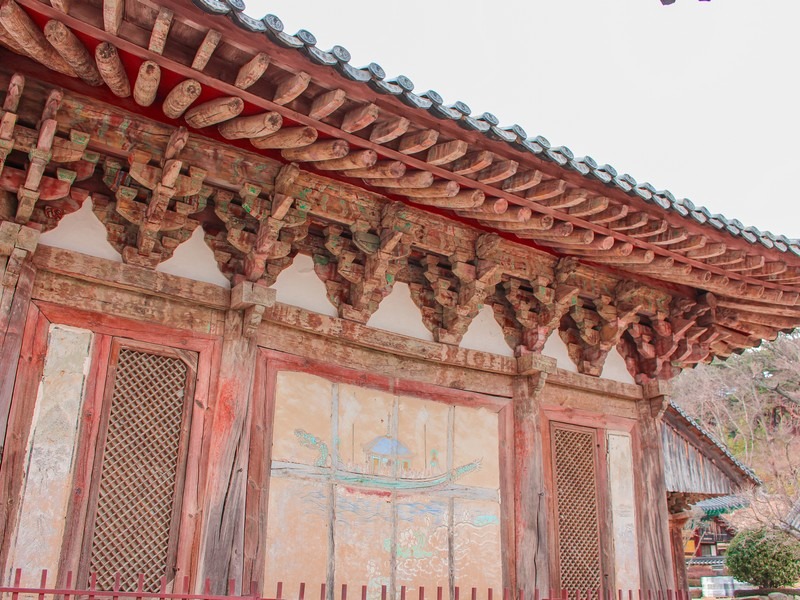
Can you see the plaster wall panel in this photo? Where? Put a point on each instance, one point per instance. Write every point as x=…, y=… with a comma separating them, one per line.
x=299, y=285
x=485, y=334
x=302, y=415
x=614, y=368
x=383, y=472
x=195, y=260
x=475, y=438
x=297, y=554
x=556, y=348
x=82, y=232
x=364, y=540
x=51, y=449
x=623, y=517
x=398, y=313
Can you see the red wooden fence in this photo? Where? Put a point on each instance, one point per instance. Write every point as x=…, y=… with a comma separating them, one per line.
x=180, y=591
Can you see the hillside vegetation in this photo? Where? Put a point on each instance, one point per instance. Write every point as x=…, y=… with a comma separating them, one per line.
x=751, y=402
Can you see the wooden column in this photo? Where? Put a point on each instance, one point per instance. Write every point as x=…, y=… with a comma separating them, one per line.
x=676, y=523
x=221, y=551
x=655, y=555
x=17, y=244
x=530, y=494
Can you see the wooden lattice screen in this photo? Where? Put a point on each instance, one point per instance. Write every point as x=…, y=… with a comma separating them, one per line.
x=142, y=463
x=575, y=472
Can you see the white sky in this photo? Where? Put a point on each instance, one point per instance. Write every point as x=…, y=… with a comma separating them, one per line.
x=700, y=98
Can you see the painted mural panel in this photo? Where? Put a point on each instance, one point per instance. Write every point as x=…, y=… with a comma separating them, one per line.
x=363, y=537
x=422, y=545
x=476, y=536
x=377, y=480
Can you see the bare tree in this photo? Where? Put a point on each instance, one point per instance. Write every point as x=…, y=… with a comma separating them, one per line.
x=751, y=402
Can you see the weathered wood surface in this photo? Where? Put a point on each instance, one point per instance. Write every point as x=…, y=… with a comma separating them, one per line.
x=228, y=434
x=689, y=469
x=530, y=493
x=344, y=353
x=72, y=51
x=147, y=81
x=19, y=386
x=21, y=28
x=112, y=70
x=117, y=302
x=655, y=556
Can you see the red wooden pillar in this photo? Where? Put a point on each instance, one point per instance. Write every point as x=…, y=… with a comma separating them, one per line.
x=221, y=553
x=655, y=554
x=17, y=273
x=676, y=524
x=530, y=494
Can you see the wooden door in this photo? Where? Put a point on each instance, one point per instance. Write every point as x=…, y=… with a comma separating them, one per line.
x=133, y=516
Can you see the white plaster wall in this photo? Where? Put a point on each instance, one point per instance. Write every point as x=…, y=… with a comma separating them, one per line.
x=556, y=348
x=195, y=260
x=623, y=516
x=51, y=448
x=82, y=232
x=614, y=368
x=485, y=334
x=398, y=313
x=298, y=285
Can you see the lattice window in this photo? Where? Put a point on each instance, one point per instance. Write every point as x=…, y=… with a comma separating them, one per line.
x=141, y=465
x=575, y=471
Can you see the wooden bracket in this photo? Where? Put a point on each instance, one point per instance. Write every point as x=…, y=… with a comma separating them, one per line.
x=254, y=299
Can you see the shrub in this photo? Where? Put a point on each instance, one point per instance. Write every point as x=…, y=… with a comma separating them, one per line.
x=764, y=557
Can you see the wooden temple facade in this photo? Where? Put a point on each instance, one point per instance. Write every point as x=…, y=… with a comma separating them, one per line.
x=268, y=316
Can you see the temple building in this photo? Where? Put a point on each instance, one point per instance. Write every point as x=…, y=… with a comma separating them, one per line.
x=272, y=317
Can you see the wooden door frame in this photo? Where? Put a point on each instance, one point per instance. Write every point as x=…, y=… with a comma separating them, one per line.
x=270, y=363
x=601, y=425
x=190, y=359
x=105, y=328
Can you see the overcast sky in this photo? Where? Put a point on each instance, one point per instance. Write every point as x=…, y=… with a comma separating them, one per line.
x=700, y=98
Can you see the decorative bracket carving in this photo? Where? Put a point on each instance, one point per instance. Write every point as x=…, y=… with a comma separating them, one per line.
x=271, y=244
x=153, y=217
x=366, y=266
x=539, y=311
x=592, y=331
